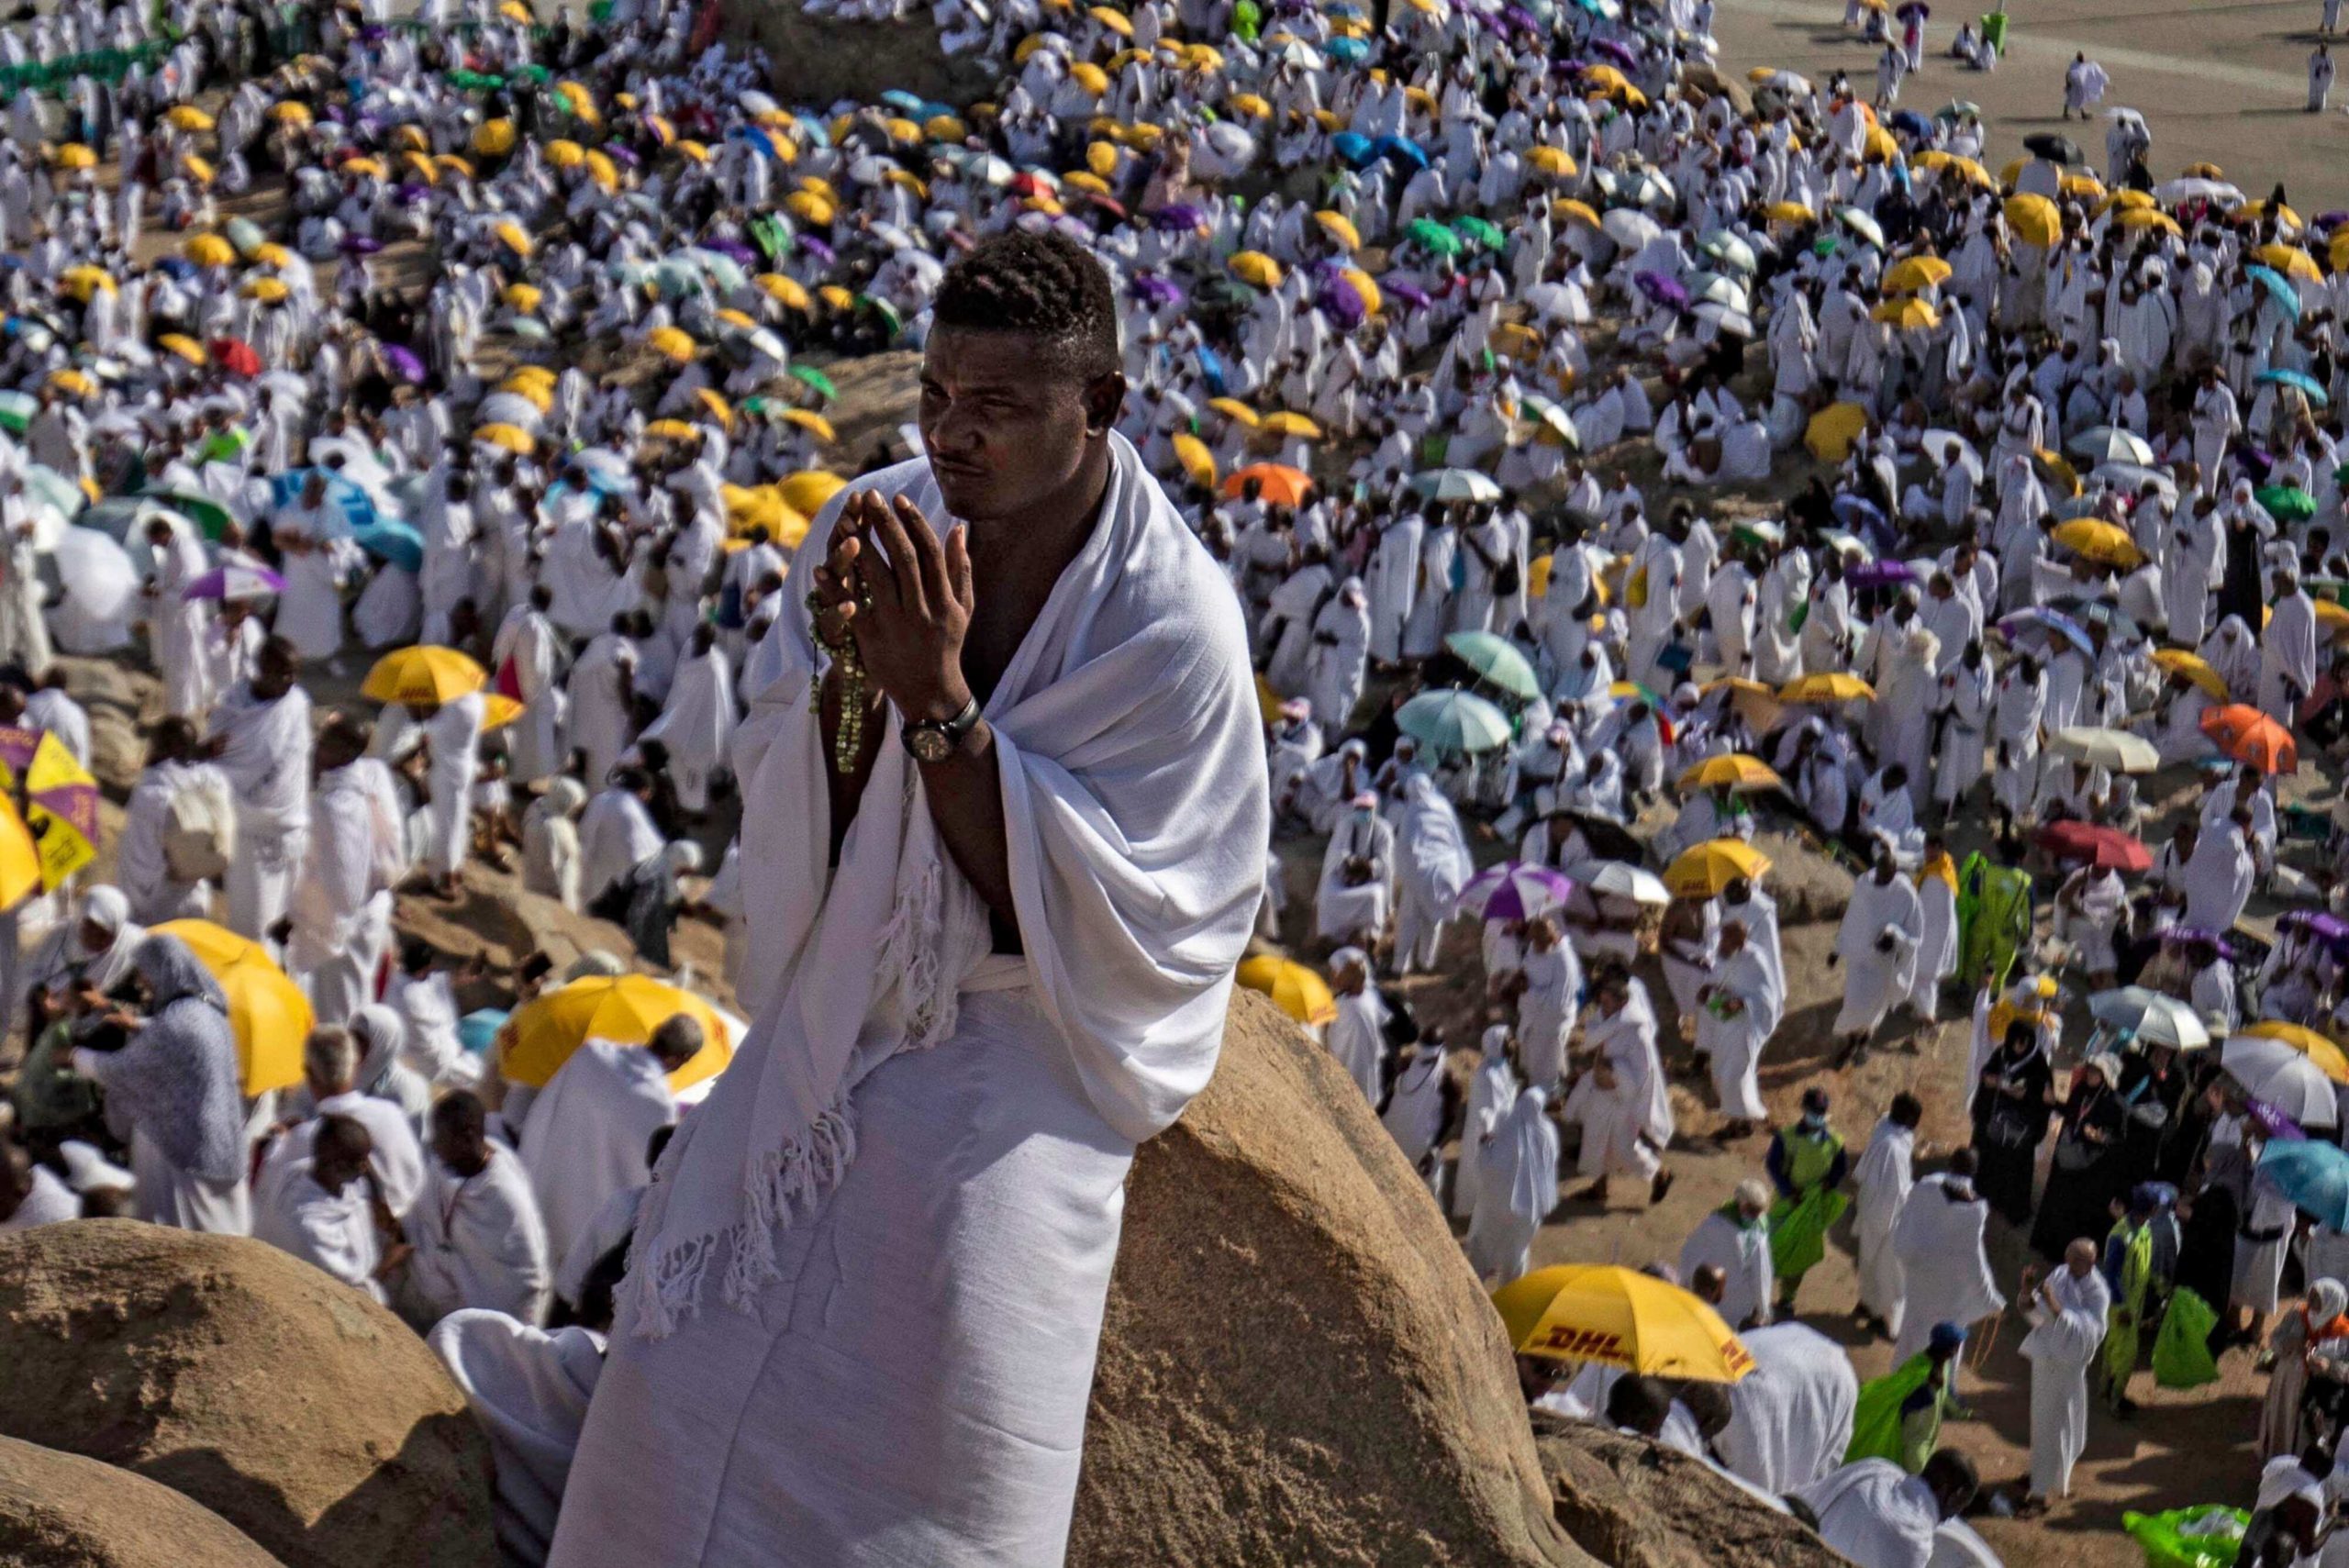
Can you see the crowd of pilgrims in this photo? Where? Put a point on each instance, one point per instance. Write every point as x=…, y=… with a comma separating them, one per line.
x=250, y=444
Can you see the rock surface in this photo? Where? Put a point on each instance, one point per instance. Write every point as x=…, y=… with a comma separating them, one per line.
x=1298, y=1365
x=60, y=1510
x=1635, y=1504
x=300, y=1412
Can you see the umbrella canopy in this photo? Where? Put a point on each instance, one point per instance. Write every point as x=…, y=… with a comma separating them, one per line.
x=2117, y=751
x=2286, y=503
x=2319, y=1049
x=2248, y=735
x=2194, y=667
x=1728, y=250
x=1454, y=721
x=1296, y=990
x=1829, y=686
x=1833, y=430
x=2054, y=148
x=2150, y=1017
x=423, y=675
x=1620, y=879
x=1279, y=483
x=1619, y=1318
x=1513, y=891
x=1497, y=660
x=1455, y=484
x=267, y=1012
x=2278, y=287
x=1734, y=771
x=2034, y=219
x=2301, y=381
x=2053, y=623
x=20, y=857
x=1915, y=273
x=2313, y=1175
x=1703, y=871
x=2109, y=847
x=235, y=582
x=2273, y=1072
x=2108, y=444
x=623, y=1008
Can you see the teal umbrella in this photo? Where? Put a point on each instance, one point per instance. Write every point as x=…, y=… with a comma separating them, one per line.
x=210, y=518
x=2286, y=503
x=1451, y=720
x=1497, y=661
x=818, y=380
x=1479, y=231
x=1433, y=237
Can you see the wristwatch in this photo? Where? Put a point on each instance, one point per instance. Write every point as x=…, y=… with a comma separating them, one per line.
x=935, y=739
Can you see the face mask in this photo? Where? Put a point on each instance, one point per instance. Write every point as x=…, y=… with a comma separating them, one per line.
x=1814, y=1124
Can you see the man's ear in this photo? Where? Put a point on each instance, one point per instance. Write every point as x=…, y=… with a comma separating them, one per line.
x=1103, y=398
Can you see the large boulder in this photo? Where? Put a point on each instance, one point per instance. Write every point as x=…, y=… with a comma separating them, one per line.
x=1636, y=1503
x=295, y=1408
x=1298, y=1366
x=60, y=1510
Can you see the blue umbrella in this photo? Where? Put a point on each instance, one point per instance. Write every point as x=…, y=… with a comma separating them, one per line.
x=2053, y=622
x=1212, y=370
x=1402, y=151
x=2279, y=289
x=357, y=509
x=898, y=97
x=2301, y=379
x=392, y=540
x=1912, y=123
x=1347, y=52
x=1354, y=147
x=2313, y=1175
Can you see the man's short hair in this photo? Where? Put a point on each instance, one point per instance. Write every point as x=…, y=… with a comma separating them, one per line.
x=330, y=1055
x=460, y=1112
x=1042, y=285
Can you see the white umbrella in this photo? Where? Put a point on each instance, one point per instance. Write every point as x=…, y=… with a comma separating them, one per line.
x=1299, y=53
x=1627, y=229
x=2271, y=1071
x=1619, y=879
x=101, y=587
x=2133, y=477
x=2116, y=749
x=2173, y=191
x=2108, y=443
x=1860, y=224
x=757, y=103
x=2154, y=1018
x=507, y=408
x=1455, y=484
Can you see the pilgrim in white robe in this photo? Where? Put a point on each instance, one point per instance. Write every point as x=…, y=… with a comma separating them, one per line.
x=1546, y=1010
x=823, y=1210
x=1883, y=1178
x=697, y=724
x=331, y=1231
x=1790, y=1417
x=48, y=1201
x=2219, y=877
x=1876, y=1514
x=1414, y=1115
x=530, y=1390
x=586, y=1135
x=340, y=904
x=2061, y=1345
x=1343, y=911
x=1944, y=1264
x=1356, y=1037
x=1734, y=1024
x=453, y=734
x=1517, y=1186
x=176, y=625
x=396, y=1160
x=1936, y=945
x=1627, y=1121
x=142, y=868
x=1875, y=978
x=596, y=695
x=267, y=760
x=1491, y=1092
x=616, y=835
x=524, y=658
x=1741, y=1253
x=479, y=1243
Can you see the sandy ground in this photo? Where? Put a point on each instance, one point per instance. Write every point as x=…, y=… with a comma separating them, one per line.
x=2225, y=82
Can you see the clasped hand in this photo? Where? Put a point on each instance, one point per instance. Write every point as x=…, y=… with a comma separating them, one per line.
x=908, y=613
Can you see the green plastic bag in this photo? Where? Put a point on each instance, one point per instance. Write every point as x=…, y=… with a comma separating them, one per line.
x=2175, y=1540
x=1798, y=1230
x=2181, y=1358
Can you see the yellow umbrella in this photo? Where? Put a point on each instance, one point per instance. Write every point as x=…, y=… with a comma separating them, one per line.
x=2146, y=217
x=816, y=184
x=374, y=166
x=1908, y=314
x=1083, y=180
x=73, y=155
x=1116, y=21
x=564, y=154
x=622, y=1008
x=1553, y=160
x=1287, y=424
x=2290, y=261
x=2194, y=667
x=2087, y=187
x=515, y=11
x=536, y=393
x=1833, y=430
x=814, y=423
x=267, y=1012
x=187, y=116
x=1789, y=212
x=2317, y=1048
x=739, y=319
x=807, y=490
x=1832, y=685
x=1606, y=77
x=810, y=208
x=2099, y=541
x=602, y=171
x=1364, y=285
x=290, y=113
x=671, y=342
x=83, y=281
x=945, y=127
x=210, y=250
x=2337, y=250
x=783, y=291
x=837, y=297
x=494, y=138
x=74, y=381
x=1619, y=1318
x=1198, y=463
x=1101, y=158
x=1256, y=268
x=1296, y=989
x=1734, y=771
x=671, y=430
x=449, y=162
x=184, y=347
x=268, y=290
x=1915, y=274
x=20, y=857
x=1581, y=212
x=1090, y=77
x=2034, y=219
x=1339, y=227
x=523, y=297
x=1878, y=141
x=716, y=407
x=510, y=235
x=423, y=676
x=2055, y=465
x=575, y=96
x=508, y=437
x=1250, y=105
x=1704, y=869
x=662, y=130
x=2257, y=211
x=1233, y=409
x=200, y=168
x=2125, y=201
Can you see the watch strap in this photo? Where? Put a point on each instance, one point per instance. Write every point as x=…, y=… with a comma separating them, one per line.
x=952, y=729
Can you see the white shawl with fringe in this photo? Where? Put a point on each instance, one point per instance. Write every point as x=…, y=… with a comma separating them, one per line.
x=1132, y=759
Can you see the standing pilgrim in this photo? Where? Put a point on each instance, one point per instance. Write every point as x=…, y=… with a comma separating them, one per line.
x=261, y=737
x=1884, y=1178
x=1877, y=945
x=2068, y=1319
x=1023, y=720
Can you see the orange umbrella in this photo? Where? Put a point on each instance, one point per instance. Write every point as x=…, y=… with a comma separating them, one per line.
x=2248, y=735
x=1282, y=485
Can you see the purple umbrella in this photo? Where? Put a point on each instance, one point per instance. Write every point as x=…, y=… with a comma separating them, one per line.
x=1151, y=289
x=403, y=363
x=733, y=247
x=2331, y=219
x=2321, y=924
x=1412, y=294
x=415, y=191
x=1521, y=19
x=1880, y=575
x=1343, y=303
x=2274, y=1124
x=624, y=153
x=360, y=245
x=1168, y=220
x=823, y=250
x=1663, y=290
x=1513, y=891
x=235, y=582
x=1616, y=53
x=2190, y=934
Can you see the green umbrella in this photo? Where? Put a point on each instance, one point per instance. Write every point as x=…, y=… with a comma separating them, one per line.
x=1479, y=231
x=1451, y=720
x=2286, y=503
x=1433, y=237
x=818, y=380
x=886, y=311
x=210, y=518
x=17, y=411
x=1495, y=659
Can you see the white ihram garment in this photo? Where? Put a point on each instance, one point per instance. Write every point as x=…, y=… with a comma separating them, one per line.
x=2060, y=1346
x=1884, y=1180
x=1938, y=1239
x=921, y=1144
x=529, y=1390
x=1790, y=1417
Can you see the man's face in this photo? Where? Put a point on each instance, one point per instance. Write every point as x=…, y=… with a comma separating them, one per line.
x=1003, y=439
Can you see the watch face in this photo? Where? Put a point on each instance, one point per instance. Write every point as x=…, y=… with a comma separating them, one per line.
x=931, y=745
